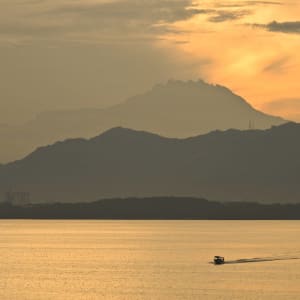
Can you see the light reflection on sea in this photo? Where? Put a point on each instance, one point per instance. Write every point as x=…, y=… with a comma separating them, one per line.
x=148, y=260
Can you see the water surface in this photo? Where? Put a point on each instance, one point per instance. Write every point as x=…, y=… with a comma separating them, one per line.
x=149, y=260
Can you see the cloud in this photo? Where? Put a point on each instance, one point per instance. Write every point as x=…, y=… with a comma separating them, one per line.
x=247, y=3
x=148, y=11
x=114, y=18
x=285, y=27
x=263, y=2
x=223, y=12
x=225, y=15
x=277, y=66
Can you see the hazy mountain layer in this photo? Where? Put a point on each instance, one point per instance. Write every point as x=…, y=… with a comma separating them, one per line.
x=255, y=165
x=177, y=109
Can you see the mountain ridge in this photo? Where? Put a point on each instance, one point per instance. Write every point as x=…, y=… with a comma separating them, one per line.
x=175, y=109
x=232, y=165
x=121, y=132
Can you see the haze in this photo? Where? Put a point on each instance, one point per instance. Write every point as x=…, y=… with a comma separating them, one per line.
x=61, y=55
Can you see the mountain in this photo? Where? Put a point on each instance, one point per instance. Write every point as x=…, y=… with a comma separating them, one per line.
x=232, y=165
x=176, y=109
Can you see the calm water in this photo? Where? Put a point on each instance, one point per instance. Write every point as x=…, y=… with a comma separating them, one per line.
x=148, y=260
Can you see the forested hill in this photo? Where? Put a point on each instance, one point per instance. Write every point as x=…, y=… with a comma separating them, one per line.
x=158, y=208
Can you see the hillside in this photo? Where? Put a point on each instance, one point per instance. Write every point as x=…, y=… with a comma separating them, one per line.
x=232, y=165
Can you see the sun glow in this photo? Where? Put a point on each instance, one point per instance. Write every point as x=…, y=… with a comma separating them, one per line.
x=260, y=64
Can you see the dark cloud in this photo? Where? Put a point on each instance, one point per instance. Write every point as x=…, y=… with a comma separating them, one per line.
x=224, y=15
x=114, y=19
x=233, y=11
x=246, y=3
x=151, y=11
x=127, y=16
x=263, y=3
x=285, y=27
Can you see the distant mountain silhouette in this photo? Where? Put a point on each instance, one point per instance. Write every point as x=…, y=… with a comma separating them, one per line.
x=176, y=109
x=160, y=208
x=234, y=165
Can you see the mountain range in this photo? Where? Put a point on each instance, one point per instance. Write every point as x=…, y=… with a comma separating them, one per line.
x=176, y=109
x=231, y=165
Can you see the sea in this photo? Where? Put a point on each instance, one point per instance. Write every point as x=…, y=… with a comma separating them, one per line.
x=41, y=259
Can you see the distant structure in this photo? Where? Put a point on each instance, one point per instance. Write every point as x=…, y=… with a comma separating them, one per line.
x=251, y=125
x=17, y=198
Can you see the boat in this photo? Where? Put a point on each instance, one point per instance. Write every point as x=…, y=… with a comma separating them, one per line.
x=219, y=260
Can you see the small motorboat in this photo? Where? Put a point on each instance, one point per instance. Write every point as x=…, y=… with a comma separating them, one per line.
x=219, y=260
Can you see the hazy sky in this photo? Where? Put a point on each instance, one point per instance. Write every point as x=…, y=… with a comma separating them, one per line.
x=69, y=54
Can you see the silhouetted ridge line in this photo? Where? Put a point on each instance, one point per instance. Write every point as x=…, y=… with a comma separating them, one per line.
x=232, y=165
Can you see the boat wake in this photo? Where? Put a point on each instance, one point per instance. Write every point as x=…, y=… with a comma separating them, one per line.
x=259, y=259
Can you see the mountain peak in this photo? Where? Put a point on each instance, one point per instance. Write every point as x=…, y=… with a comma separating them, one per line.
x=190, y=84
x=202, y=97
x=121, y=133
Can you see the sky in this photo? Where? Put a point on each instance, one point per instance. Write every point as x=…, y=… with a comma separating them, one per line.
x=73, y=54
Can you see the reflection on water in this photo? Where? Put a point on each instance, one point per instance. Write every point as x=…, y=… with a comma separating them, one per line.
x=117, y=260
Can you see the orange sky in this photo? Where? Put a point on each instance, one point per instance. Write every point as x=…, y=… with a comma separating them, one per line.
x=261, y=65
